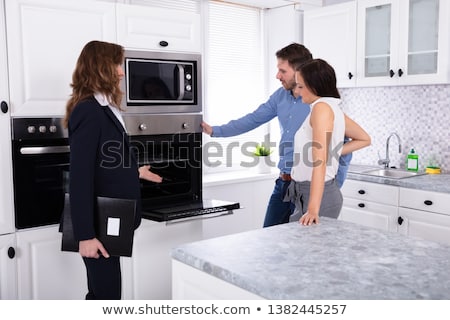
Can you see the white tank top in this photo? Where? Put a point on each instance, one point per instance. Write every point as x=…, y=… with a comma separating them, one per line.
x=303, y=163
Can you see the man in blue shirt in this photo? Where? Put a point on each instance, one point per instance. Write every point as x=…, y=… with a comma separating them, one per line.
x=291, y=113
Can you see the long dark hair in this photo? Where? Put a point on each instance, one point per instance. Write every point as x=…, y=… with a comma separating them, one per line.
x=96, y=71
x=319, y=77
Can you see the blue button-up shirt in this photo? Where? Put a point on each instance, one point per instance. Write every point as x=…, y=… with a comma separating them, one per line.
x=291, y=113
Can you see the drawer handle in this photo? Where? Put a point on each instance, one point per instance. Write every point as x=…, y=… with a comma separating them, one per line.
x=400, y=220
x=361, y=205
x=361, y=191
x=428, y=202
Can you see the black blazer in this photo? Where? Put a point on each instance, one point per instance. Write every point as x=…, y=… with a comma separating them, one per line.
x=101, y=164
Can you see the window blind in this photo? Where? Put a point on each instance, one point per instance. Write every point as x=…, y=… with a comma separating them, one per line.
x=234, y=81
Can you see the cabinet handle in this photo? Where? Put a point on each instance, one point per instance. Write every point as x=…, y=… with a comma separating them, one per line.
x=400, y=72
x=400, y=220
x=11, y=252
x=391, y=73
x=4, y=107
x=361, y=205
x=428, y=202
x=350, y=75
x=361, y=191
x=163, y=43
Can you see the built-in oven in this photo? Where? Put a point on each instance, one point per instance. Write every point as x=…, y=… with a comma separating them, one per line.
x=40, y=170
x=172, y=145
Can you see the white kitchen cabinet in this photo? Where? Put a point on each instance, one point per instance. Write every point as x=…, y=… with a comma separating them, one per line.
x=6, y=196
x=44, y=271
x=425, y=214
x=192, y=284
x=147, y=275
x=45, y=38
x=159, y=29
x=252, y=195
x=402, y=42
x=330, y=34
x=8, y=267
x=370, y=204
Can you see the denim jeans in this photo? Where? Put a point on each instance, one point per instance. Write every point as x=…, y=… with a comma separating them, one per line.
x=278, y=211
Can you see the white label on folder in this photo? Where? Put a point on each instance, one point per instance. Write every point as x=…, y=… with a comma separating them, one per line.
x=113, y=227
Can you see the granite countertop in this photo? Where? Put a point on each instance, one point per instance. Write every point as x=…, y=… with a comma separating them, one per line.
x=332, y=260
x=429, y=182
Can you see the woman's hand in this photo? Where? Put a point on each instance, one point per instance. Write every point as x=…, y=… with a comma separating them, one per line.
x=309, y=218
x=92, y=248
x=146, y=174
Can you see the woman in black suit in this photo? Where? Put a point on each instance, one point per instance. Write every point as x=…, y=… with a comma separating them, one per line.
x=101, y=161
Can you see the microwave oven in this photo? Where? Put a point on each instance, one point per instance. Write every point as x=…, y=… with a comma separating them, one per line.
x=161, y=82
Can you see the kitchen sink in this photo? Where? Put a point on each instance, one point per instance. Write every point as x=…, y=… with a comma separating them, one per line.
x=392, y=173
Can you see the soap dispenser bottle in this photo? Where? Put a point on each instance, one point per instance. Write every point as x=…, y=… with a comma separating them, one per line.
x=412, y=162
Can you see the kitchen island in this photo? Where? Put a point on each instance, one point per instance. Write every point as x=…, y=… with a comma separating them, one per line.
x=331, y=260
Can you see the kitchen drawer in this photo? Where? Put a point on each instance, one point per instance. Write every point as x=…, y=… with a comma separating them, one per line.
x=370, y=214
x=370, y=192
x=425, y=200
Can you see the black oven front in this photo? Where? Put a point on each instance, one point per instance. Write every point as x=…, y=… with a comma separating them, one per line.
x=40, y=170
x=172, y=145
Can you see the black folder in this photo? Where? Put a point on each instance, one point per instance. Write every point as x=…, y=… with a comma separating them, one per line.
x=114, y=226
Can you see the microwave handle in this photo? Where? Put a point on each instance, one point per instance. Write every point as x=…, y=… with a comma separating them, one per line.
x=181, y=81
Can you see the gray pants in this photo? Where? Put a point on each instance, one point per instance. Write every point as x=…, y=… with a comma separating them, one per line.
x=298, y=193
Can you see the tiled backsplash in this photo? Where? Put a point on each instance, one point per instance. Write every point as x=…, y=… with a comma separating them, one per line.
x=419, y=114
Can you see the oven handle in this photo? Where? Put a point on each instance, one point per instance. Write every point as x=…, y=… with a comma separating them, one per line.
x=44, y=150
x=201, y=217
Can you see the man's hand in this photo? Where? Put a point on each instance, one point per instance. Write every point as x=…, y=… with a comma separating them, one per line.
x=206, y=128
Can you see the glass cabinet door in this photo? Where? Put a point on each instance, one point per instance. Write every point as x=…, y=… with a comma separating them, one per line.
x=377, y=40
x=423, y=37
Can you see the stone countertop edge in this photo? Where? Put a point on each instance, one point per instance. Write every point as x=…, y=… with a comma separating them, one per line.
x=426, y=182
x=331, y=260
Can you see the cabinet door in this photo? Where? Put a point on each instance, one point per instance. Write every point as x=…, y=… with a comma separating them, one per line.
x=45, y=38
x=425, y=225
x=6, y=196
x=423, y=55
x=44, y=271
x=369, y=214
x=8, y=267
x=252, y=196
x=141, y=27
x=377, y=44
x=147, y=275
x=330, y=34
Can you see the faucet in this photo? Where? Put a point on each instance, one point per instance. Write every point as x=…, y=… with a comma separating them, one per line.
x=386, y=160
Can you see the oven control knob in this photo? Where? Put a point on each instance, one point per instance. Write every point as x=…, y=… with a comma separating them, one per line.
x=142, y=127
x=188, y=88
x=52, y=129
x=185, y=125
x=42, y=129
x=188, y=76
x=31, y=129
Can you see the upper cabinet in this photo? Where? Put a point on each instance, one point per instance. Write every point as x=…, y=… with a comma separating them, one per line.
x=159, y=29
x=398, y=42
x=330, y=34
x=402, y=42
x=44, y=39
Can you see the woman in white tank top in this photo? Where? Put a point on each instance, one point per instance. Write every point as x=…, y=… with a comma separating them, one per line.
x=319, y=143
